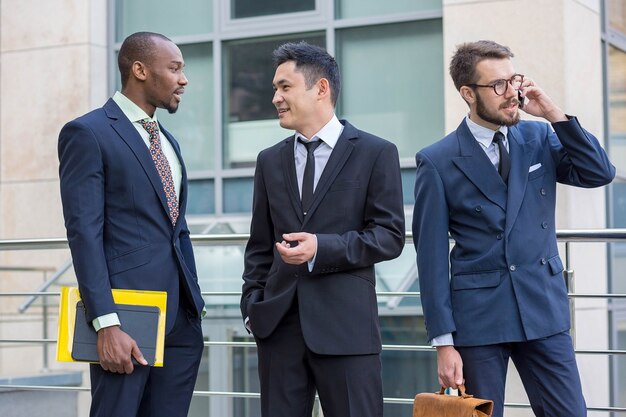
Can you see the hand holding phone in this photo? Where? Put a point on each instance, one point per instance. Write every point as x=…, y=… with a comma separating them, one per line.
x=520, y=98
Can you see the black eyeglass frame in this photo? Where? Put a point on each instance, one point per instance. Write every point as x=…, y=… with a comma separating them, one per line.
x=501, y=82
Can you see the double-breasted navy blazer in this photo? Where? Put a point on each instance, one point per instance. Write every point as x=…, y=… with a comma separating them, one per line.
x=358, y=217
x=502, y=281
x=116, y=216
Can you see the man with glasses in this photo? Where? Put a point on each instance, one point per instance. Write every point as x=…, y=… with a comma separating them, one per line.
x=491, y=185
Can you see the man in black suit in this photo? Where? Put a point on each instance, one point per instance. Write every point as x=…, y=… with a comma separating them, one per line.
x=124, y=191
x=321, y=219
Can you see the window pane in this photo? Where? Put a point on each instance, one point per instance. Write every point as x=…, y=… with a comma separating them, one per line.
x=201, y=197
x=238, y=195
x=361, y=8
x=401, y=102
x=401, y=367
x=617, y=106
x=170, y=18
x=255, y=8
x=193, y=124
x=617, y=15
x=408, y=186
x=251, y=123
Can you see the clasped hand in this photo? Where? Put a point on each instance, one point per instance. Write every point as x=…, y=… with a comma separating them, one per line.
x=297, y=248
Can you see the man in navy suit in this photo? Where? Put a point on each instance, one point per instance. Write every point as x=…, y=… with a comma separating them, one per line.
x=124, y=190
x=327, y=206
x=491, y=184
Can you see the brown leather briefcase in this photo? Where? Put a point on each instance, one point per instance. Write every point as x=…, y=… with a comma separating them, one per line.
x=439, y=404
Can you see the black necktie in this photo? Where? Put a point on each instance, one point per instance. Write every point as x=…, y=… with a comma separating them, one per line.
x=309, y=173
x=504, y=166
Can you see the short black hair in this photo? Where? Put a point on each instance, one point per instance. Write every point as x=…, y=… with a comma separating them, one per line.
x=468, y=55
x=136, y=47
x=314, y=62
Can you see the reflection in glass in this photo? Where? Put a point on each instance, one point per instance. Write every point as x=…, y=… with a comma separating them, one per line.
x=617, y=15
x=255, y=8
x=251, y=123
x=238, y=195
x=201, y=197
x=170, y=18
x=362, y=8
x=192, y=125
x=403, y=101
x=617, y=106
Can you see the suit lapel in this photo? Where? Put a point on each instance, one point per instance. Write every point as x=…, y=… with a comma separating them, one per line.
x=129, y=134
x=477, y=167
x=520, y=151
x=338, y=157
x=290, y=177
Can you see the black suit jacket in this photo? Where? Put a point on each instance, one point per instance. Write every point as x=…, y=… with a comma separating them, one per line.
x=357, y=214
x=116, y=216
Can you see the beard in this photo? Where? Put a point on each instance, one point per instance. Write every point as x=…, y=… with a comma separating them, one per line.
x=494, y=117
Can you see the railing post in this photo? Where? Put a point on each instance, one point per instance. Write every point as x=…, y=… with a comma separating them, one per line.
x=568, y=275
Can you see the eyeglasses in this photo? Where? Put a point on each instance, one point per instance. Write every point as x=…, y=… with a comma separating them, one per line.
x=500, y=86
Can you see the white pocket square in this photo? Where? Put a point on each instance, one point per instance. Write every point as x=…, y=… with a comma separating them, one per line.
x=534, y=167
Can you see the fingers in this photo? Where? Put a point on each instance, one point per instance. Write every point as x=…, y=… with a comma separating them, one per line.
x=115, y=348
x=449, y=367
x=136, y=353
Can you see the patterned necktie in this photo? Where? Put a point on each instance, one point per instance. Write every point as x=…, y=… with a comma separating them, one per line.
x=504, y=165
x=162, y=167
x=308, y=179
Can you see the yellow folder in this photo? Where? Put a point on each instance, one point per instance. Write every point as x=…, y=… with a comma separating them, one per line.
x=70, y=298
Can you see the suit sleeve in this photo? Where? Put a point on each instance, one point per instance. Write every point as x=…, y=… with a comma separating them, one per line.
x=81, y=173
x=579, y=158
x=382, y=238
x=259, y=252
x=430, y=237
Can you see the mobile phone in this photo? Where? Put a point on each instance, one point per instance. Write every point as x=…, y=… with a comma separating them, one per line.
x=520, y=99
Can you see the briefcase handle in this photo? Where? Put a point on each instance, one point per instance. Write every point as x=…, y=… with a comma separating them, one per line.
x=462, y=392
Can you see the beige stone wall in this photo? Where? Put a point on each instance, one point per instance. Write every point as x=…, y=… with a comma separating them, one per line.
x=53, y=67
x=557, y=43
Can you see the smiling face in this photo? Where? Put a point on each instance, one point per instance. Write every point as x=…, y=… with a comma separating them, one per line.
x=300, y=108
x=486, y=107
x=165, y=79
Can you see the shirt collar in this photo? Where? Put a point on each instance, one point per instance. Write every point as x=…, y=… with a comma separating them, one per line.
x=483, y=134
x=130, y=109
x=329, y=133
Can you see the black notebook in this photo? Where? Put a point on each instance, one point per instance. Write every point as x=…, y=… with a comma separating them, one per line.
x=140, y=322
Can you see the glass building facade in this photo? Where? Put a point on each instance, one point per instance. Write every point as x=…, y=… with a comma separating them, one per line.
x=391, y=58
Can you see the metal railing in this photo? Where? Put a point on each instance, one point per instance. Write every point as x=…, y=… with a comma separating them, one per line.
x=563, y=236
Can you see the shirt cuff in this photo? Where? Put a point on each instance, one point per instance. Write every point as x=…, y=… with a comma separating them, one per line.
x=107, y=320
x=443, y=340
x=311, y=263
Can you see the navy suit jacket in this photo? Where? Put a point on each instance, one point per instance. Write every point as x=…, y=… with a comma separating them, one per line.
x=116, y=216
x=502, y=281
x=358, y=217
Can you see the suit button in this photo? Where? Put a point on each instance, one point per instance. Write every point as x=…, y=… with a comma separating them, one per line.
x=543, y=191
x=543, y=261
x=512, y=268
x=544, y=225
x=499, y=236
x=295, y=275
x=478, y=209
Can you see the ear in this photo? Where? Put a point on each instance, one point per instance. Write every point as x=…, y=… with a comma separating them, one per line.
x=323, y=89
x=468, y=94
x=139, y=70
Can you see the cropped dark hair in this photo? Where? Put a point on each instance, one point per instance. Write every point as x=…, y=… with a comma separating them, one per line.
x=468, y=55
x=136, y=47
x=314, y=63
